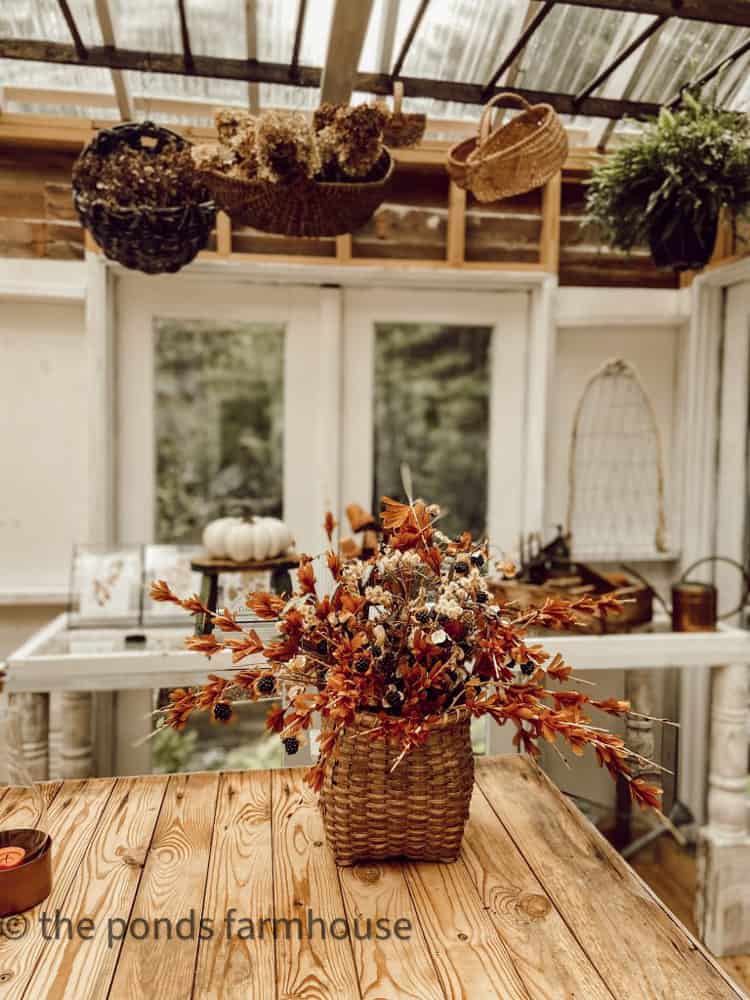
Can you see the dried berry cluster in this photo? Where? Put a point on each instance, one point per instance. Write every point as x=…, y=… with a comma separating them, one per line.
x=140, y=178
x=409, y=634
x=283, y=147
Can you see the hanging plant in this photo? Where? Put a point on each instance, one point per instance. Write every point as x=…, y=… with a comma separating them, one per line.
x=281, y=173
x=136, y=190
x=669, y=186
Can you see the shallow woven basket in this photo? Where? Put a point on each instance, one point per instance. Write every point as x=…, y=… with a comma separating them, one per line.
x=416, y=811
x=514, y=158
x=304, y=208
x=153, y=240
x=402, y=129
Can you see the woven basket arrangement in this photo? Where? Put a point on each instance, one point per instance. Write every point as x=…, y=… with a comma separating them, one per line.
x=514, y=158
x=153, y=240
x=418, y=810
x=303, y=208
x=403, y=129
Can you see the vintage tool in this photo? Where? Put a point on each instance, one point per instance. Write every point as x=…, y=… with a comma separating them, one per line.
x=549, y=571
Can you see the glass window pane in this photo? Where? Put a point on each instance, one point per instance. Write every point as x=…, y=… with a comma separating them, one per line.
x=431, y=411
x=218, y=421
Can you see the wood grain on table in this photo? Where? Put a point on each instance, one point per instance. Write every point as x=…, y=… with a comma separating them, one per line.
x=538, y=907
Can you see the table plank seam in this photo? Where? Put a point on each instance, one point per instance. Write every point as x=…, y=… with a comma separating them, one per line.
x=219, y=786
x=71, y=883
x=547, y=894
x=422, y=931
x=614, y=858
x=272, y=808
x=697, y=946
x=349, y=937
x=121, y=944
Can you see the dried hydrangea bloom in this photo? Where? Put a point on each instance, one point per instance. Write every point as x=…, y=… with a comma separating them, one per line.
x=140, y=178
x=286, y=147
x=232, y=121
x=324, y=116
x=357, y=137
x=211, y=156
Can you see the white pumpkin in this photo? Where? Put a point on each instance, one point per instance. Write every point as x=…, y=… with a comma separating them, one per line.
x=249, y=541
x=215, y=536
x=282, y=536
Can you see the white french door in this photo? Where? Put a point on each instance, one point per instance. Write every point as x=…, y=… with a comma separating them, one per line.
x=311, y=398
x=438, y=380
x=218, y=393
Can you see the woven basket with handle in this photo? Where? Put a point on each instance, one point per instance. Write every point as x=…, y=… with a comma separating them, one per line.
x=303, y=208
x=418, y=810
x=403, y=129
x=514, y=158
x=152, y=240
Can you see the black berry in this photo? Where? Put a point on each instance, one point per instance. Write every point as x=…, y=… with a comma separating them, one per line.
x=528, y=668
x=377, y=651
x=423, y=615
x=362, y=666
x=393, y=697
x=483, y=596
x=462, y=568
x=222, y=711
x=291, y=745
x=477, y=558
x=321, y=646
x=266, y=685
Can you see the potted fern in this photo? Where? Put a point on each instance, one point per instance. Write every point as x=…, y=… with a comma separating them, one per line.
x=668, y=187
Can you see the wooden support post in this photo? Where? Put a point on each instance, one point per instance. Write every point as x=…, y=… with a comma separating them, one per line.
x=723, y=897
x=55, y=735
x=76, y=746
x=456, y=226
x=33, y=711
x=344, y=249
x=348, y=29
x=549, y=249
x=223, y=234
x=251, y=48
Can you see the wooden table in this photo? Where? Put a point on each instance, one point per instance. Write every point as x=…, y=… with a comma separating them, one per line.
x=538, y=906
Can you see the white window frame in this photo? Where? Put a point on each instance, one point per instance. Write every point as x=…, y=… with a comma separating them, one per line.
x=507, y=315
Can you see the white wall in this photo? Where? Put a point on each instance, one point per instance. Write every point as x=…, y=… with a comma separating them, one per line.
x=44, y=419
x=596, y=325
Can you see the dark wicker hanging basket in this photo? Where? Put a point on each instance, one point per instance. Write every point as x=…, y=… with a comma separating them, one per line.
x=303, y=208
x=152, y=240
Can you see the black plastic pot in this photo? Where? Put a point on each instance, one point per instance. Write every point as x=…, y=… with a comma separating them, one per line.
x=684, y=249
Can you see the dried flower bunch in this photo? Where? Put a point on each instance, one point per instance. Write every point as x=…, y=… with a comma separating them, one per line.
x=411, y=635
x=283, y=147
x=140, y=177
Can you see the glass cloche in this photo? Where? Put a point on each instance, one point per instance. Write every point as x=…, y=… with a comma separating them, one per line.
x=25, y=844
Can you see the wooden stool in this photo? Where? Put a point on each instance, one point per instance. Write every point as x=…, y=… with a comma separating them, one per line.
x=211, y=568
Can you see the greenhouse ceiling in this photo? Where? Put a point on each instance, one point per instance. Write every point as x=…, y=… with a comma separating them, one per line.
x=596, y=61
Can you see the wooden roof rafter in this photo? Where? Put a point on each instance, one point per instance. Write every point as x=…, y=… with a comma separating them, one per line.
x=520, y=45
x=340, y=75
x=735, y=13
x=258, y=71
x=72, y=27
x=106, y=26
x=347, y=36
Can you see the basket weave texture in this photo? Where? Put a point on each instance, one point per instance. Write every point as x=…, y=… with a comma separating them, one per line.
x=302, y=208
x=514, y=158
x=153, y=240
x=417, y=810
